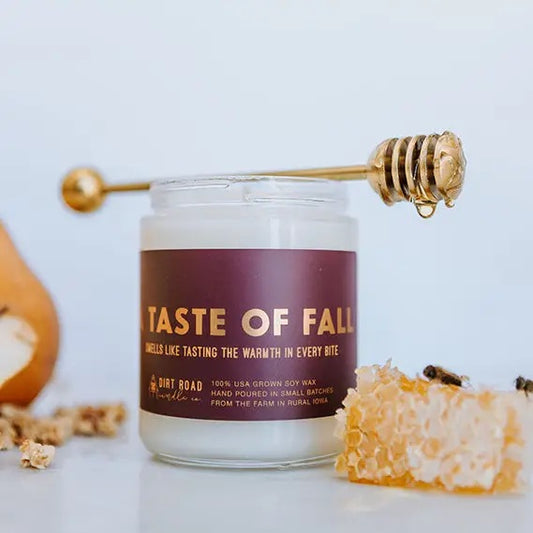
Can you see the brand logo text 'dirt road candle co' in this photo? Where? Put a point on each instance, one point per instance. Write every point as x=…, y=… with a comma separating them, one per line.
x=254, y=322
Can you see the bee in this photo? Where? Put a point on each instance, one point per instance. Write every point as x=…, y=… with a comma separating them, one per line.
x=444, y=376
x=524, y=384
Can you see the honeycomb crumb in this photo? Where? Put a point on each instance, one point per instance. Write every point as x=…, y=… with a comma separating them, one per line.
x=35, y=455
x=10, y=411
x=7, y=435
x=399, y=431
x=21, y=421
x=18, y=425
x=88, y=420
x=54, y=430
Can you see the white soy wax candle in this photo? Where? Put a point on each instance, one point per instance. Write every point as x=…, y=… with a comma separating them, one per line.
x=248, y=319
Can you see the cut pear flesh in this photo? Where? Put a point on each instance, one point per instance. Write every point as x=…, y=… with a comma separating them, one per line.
x=18, y=342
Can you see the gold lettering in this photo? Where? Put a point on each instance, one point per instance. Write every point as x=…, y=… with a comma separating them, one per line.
x=217, y=322
x=198, y=313
x=280, y=319
x=151, y=312
x=247, y=326
x=309, y=319
x=163, y=324
x=349, y=320
x=340, y=327
x=326, y=323
x=183, y=326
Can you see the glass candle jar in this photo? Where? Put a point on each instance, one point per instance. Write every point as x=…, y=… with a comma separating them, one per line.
x=248, y=319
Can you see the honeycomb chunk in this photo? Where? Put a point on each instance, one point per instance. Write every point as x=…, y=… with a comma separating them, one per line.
x=7, y=435
x=35, y=455
x=91, y=420
x=399, y=431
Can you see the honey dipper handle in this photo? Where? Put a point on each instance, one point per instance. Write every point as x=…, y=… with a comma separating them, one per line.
x=423, y=170
x=356, y=172
x=127, y=187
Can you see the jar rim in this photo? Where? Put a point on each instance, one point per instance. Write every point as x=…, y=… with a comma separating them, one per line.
x=246, y=189
x=216, y=180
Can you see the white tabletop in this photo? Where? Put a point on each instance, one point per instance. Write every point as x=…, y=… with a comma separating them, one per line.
x=114, y=485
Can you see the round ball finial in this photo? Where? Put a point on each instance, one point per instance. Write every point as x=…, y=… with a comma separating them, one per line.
x=83, y=189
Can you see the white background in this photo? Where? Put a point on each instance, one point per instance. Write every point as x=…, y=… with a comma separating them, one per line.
x=161, y=88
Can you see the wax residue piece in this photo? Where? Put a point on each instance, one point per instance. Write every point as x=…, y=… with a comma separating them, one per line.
x=399, y=431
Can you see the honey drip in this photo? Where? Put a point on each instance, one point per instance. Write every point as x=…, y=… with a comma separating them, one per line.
x=426, y=210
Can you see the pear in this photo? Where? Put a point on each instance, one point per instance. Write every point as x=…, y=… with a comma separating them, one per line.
x=29, y=328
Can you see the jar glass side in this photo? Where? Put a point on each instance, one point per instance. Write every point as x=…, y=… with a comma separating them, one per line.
x=293, y=218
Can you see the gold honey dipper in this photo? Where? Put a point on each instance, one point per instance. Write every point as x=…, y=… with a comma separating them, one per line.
x=423, y=170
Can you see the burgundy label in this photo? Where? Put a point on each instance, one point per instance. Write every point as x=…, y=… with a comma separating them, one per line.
x=247, y=334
